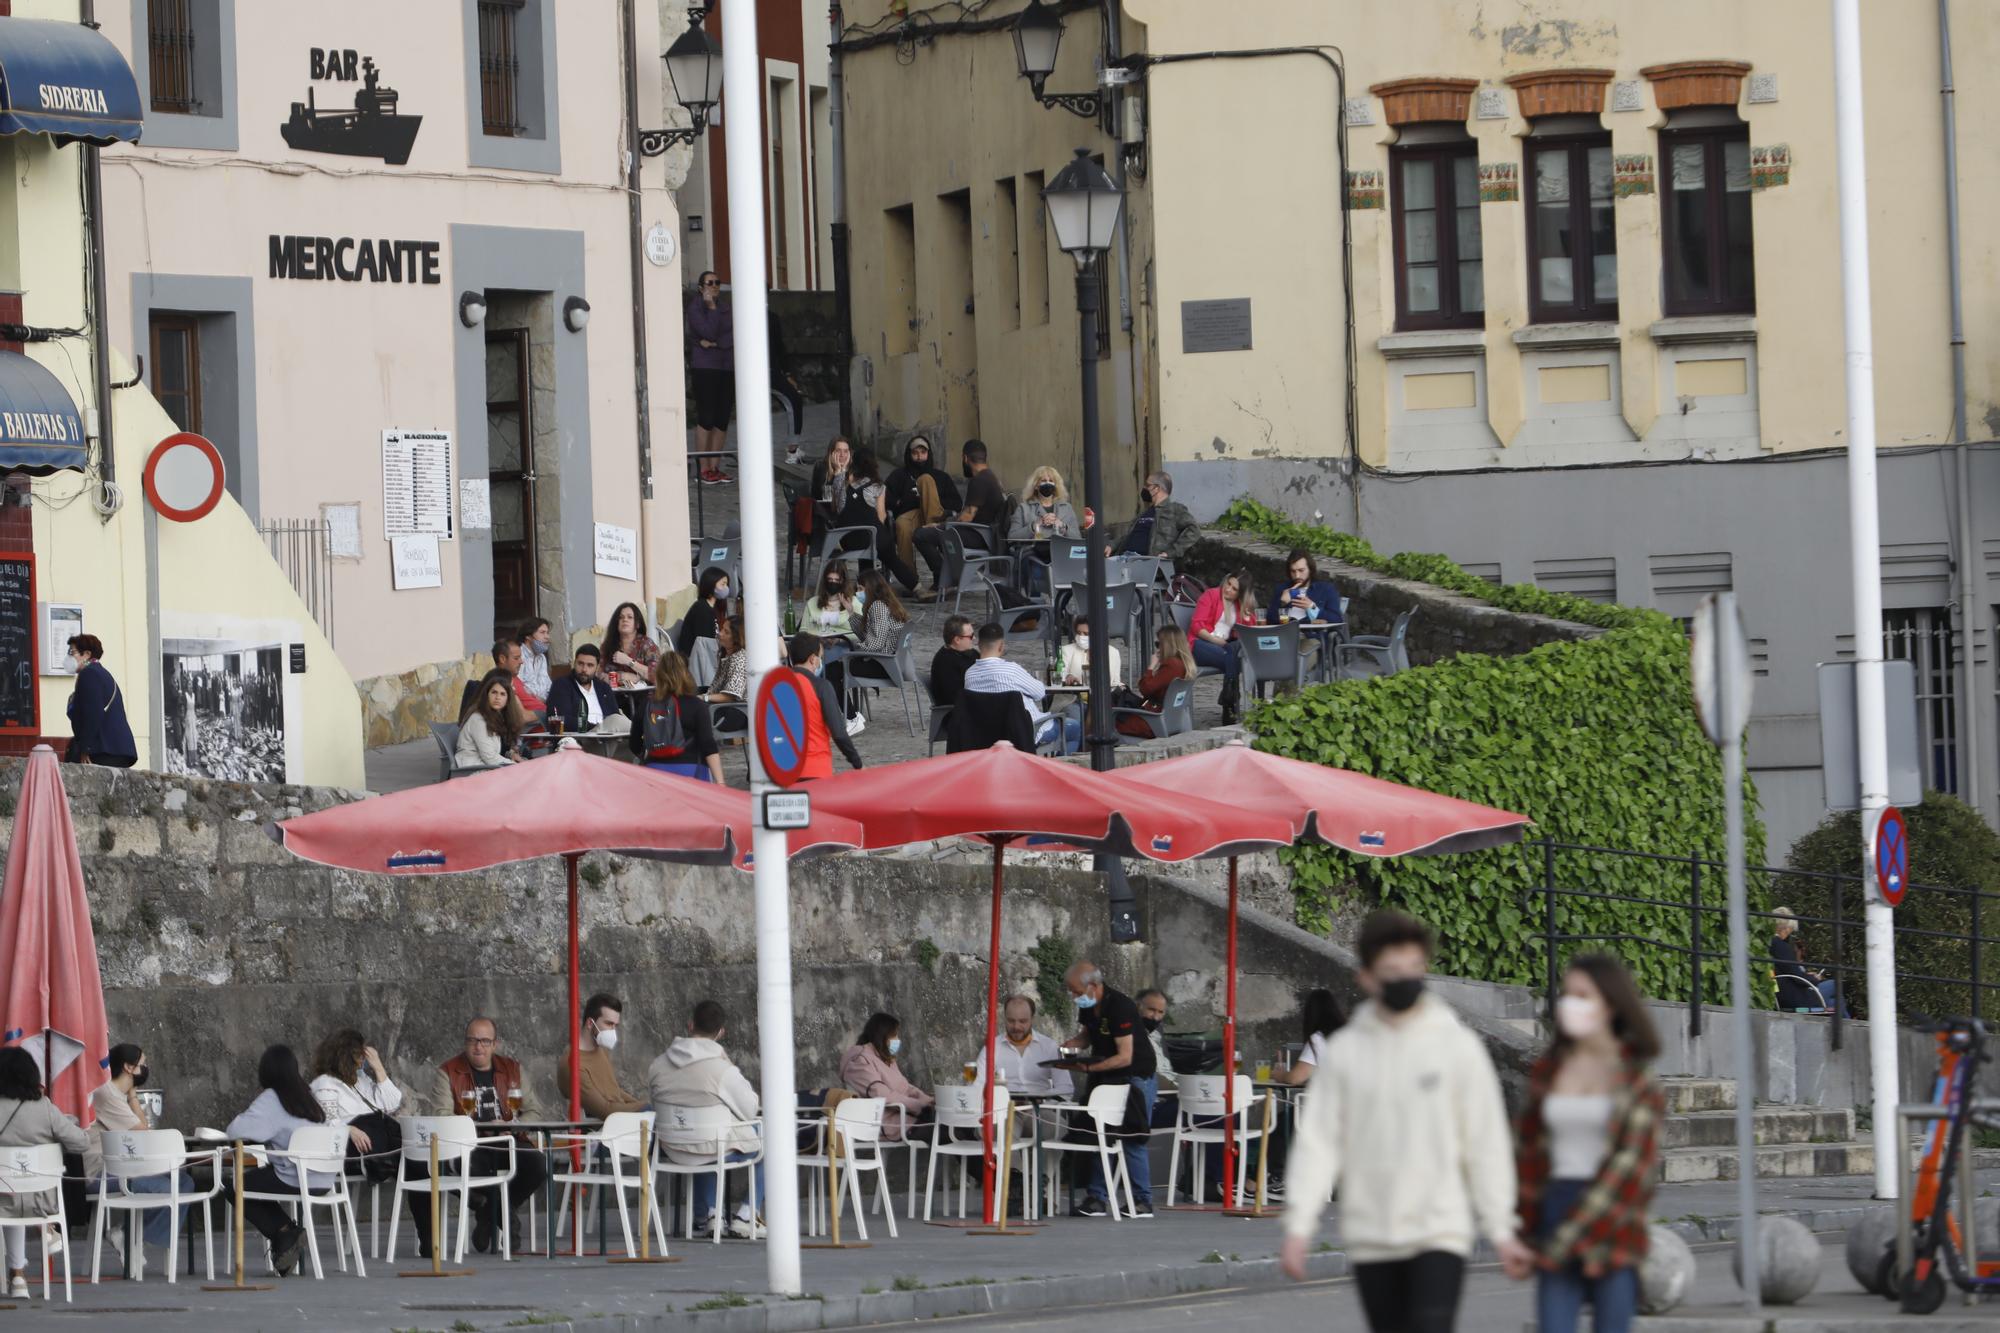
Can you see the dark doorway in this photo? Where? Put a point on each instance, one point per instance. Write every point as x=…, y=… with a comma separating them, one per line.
x=510, y=434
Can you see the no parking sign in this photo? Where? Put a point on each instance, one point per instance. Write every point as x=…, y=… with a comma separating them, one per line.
x=780, y=722
x=1892, y=856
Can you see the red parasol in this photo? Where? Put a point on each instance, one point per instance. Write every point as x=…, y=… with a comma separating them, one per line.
x=1002, y=795
x=54, y=995
x=564, y=804
x=1351, y=811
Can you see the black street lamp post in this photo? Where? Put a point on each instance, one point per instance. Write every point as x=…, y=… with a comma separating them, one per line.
x=694, y=68
x=1037, y=37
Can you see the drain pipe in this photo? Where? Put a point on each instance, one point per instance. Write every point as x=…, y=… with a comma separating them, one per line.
x=108, y=499
x=1970, y=566
x=843, y=296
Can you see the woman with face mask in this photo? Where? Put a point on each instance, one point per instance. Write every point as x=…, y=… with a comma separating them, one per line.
x=711, y=606
x=116, y=1106
x=1588, y=1139
x=354, y=1089
x=870, y=1068
x=1043, y=516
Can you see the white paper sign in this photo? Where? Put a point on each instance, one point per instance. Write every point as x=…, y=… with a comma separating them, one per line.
x=475, y=504
x=416, y=482
x=343, y=530
x=616, y=552
x=416, y=561
x=659, y=245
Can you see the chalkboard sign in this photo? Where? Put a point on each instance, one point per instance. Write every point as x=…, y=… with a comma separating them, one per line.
x=19, y=711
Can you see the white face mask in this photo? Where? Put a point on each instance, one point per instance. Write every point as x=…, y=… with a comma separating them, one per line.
x=1083, y=643
x=1578, y=1018
x=608, y=1038
x=539, y=648
x=895, y=1045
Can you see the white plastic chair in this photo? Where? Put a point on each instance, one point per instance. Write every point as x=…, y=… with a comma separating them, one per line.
x=963, y=1107
x=36, y=1170
x=1201, y=1099
x=618, y=1139
x=457, y=1136
x=1106, y=1111
x=135, y=1154
x=896, y=1113
x=703, y=1131
x=857, y=1126
x=313, y=1150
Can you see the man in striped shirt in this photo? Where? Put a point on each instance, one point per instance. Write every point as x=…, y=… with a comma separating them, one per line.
x=995, y=673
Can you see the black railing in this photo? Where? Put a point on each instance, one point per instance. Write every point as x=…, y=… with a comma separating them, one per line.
x=1706, y=898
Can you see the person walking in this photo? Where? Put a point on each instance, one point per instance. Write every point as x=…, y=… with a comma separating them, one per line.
x=1405, y=1115
x=711, y=340
x=1587, y=1142
x=99, y=732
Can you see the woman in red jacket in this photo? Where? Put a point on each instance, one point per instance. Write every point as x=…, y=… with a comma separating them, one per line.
x=1171, y=662
x=1212, y=635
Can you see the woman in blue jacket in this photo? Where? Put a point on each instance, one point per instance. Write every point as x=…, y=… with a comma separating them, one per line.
x=99, y=733
x=1305, y=595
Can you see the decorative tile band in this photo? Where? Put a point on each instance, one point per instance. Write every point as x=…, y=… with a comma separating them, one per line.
x=1631, y=174
x=1770, y=167
x=1499, y=182
x=1364, y=190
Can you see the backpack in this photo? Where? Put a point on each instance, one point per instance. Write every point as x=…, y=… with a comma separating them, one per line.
x=666, y=736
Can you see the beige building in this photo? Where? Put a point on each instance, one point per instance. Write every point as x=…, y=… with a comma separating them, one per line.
x=1552, y=289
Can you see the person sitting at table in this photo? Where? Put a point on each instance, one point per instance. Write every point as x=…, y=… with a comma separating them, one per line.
x=920, y=493
x=1171, y=662
x=696, y=1071
x=829, y=487
x=355, y=1091
x=489, y=734
x=481, y=1083
x=732, y=673
x=711, y=604
x=1044, y=515
x=869, y=1069
x=116, y=1106
x=1073, y=664
x=284, y=1106
x=994, y=673
x=507, y=657
x=628, y=655
x=28, y=1119
x=1217, y=613
x=826, y=728
x=1319, y=1017
x=868, y=506
x=1152, y=1004
x=581, y=699
x=535, y=647
x=830, y=610
x=674, y=733
x=1165, y=527
x=1022, y=1054
x=985, y=503
x=949, y=663
x=883, y=623
x=1304, y=595
x=602, y=1093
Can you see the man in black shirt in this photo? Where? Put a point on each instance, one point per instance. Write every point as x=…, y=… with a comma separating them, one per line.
x=1119, y=1054
x=985, y=504
x=948, y=667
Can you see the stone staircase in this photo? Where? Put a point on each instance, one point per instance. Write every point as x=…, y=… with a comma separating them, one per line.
x=1698, y=1139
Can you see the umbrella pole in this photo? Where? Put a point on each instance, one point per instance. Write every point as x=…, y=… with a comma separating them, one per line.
x=1229, y=1052
x=236, y=1203
x=570, y=860
x=992, y=1045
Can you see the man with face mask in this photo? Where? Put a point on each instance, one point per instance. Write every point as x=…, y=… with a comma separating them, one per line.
x=1119, y=1052
x=1405, y=1114
x=602, y=1015
x=1164, y=527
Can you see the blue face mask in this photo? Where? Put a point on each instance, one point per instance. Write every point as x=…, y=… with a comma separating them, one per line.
x=895, y=1045
x=1086, y=1001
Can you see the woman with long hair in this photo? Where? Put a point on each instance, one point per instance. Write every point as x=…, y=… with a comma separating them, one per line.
x=830, y=610
x=869, y=1068
x=628, y=654
x=1212, y=633
x=732, y=673
x=868, y=506
x=1171, y=661
x=1587, y=1141
x=355, y=1090
x=829, y=486
x=284, y=1106
x=116, y=1106
x=711, y=342
x=711, y=606
x=1044, y=515
x=492, y=724
x=28, y=1119
x=674, y=733
x=1319, y=1018
x=883, y=623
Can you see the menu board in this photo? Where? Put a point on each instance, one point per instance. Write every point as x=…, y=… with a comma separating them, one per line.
x=19, y=710
x=416, y=482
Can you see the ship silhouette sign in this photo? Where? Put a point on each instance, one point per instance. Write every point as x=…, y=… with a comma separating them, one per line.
x=374, y=128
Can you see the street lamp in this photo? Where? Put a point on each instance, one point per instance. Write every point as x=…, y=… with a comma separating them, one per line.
x=1037, y=37
x=694, y=68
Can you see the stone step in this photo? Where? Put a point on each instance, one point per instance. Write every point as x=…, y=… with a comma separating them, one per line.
x=1772, y=1125
x=1687, y=1095
x=1686, y=1166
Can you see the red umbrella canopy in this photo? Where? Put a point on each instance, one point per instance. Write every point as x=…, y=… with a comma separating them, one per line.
x=1002, y=794
x=54, y=996
x=564, y=803
x=1352, y=811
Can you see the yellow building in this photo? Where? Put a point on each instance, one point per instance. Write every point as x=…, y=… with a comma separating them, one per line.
x=1551, y=288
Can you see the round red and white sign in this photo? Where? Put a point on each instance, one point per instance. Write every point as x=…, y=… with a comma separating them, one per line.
x=184, y=478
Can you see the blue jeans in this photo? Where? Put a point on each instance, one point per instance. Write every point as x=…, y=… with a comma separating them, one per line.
x=1072, y=730
x=699, y=772
x=1137, y=1160
x=1827, y=989
x=704, y=1187
x=1561, y=1296
x=157, y=1220
x=1214, y=656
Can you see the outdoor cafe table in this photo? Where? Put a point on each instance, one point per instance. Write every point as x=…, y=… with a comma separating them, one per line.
x=546, y=1132
x=1329, y=633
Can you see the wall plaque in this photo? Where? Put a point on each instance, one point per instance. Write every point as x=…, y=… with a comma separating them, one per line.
x=1216, y=326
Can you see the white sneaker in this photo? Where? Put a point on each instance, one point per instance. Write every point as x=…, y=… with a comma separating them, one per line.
x=856, y=724
x=742, y=1228
x=18, y=1288
x=52, y=1244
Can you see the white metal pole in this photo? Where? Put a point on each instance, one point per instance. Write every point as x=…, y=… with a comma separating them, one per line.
x=742, y=89
x=1871, y=713
x=1730, y=666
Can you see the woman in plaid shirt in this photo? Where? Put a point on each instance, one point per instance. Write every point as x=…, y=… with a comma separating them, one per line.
x=1588, y=1142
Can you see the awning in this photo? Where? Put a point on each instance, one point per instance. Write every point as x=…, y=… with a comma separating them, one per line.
x=65, y=80
x=41, y=430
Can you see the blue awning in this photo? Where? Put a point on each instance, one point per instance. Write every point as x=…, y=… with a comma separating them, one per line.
x=41, y=430
x=65, y=80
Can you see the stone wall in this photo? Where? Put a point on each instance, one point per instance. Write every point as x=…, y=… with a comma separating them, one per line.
x=214, y=942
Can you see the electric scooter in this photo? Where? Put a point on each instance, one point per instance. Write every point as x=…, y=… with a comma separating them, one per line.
x=1939, y=1243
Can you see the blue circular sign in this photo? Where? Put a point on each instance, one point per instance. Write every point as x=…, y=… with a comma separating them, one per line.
x=781, y=725
x=1892, y=857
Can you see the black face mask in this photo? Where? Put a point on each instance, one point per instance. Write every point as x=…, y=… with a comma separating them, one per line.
x=1045, y=489
x=1152, y=1024
x=140, y=1075
x=1399, y=995
x=966, y=468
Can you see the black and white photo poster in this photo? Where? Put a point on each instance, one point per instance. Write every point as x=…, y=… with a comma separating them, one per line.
x=224, y=701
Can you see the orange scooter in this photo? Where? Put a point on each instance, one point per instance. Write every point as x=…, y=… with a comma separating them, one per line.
x=1939, y=1243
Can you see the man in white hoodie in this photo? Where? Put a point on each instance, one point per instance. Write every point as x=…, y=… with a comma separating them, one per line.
x=696, y=1071
x=1405, y=1115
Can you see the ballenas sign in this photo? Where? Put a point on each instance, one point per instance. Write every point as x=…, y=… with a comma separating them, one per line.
x=346, y=259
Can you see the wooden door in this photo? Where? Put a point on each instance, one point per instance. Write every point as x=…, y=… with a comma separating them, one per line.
x=510, y=475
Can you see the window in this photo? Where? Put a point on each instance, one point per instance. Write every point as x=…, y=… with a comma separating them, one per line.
x=1705, y=221
x=500, y=67
x=1007, y=245
x=1922, y=636
x=1440, y=283
x=899, y=280
x=1572, y=238
x=170, y=32
x=176, y=352
x=1034, y=242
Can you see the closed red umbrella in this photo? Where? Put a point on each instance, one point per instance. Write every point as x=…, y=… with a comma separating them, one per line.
x=1351, y=811
x=564, y=804
x=54, y=995
x=1002, y=796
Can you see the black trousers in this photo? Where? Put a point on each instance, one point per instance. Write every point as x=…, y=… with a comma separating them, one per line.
x=929, y=542
x=270, y=1219
x=1415, y=1295
x=529, y=1173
